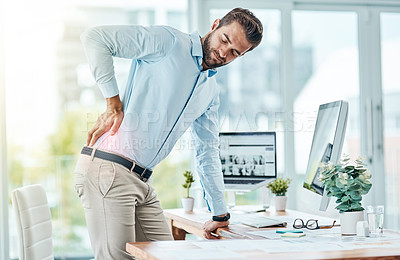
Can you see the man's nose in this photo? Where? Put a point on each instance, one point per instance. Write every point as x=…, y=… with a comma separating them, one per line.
x=223, y=52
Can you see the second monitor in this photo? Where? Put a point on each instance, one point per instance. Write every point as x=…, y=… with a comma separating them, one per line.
x=248, y=159
x=327, y=143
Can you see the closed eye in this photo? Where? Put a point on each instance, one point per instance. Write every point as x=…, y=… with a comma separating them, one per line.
x=235, y=53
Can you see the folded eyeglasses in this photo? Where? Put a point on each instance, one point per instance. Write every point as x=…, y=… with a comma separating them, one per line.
x=310, y=224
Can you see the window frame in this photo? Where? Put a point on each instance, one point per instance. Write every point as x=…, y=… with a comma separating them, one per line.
x=391, y=219
x=4, y=232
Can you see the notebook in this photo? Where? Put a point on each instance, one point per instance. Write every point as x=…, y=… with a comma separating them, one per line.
x=260, y=222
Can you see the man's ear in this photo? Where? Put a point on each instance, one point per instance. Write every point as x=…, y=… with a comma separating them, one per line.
x=215, y=24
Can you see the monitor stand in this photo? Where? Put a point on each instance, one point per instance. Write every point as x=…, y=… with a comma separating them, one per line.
x=231, y=199
x=265, y=197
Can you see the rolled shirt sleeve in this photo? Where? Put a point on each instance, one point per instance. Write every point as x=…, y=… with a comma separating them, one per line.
x=101, y=44
x=206, y=139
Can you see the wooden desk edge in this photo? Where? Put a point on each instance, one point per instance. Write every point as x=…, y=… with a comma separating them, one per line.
x=144, y=250
x=138, y=250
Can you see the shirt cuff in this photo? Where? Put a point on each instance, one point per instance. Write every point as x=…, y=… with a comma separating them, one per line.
x=109, y=89
x=219, y=207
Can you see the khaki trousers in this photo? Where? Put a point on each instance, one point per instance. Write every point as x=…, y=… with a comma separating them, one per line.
x=119, y=208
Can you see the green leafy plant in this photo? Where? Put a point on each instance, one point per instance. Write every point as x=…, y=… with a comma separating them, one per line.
x=188, y=182
x=279, y=186
x=346, y=182
x=309, y=187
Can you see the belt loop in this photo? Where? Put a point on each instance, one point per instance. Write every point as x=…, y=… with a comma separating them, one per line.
x=92, y=155
x=133, y=166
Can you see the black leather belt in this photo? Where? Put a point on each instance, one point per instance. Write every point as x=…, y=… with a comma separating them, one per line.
x=144, y=174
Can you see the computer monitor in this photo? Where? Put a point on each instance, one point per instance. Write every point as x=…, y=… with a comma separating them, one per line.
x=327, y=143
x=248, y=159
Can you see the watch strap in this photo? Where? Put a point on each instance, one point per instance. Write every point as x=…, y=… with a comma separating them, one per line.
x=221, y=219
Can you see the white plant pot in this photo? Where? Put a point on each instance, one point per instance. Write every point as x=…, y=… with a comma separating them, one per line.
x=348, y=222
x=280, y=203
x=188, y=204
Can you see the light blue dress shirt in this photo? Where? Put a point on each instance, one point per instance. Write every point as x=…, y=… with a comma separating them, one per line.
x=166, y=93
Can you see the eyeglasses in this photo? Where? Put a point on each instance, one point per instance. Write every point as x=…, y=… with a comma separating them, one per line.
x=310, y=224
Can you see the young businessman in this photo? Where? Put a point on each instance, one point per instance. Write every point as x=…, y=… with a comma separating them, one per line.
x=171, y=87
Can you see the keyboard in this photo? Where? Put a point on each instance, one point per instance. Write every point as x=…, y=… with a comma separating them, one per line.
x=242, y=181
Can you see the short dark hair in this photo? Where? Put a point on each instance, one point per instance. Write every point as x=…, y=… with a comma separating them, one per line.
x=251, y=24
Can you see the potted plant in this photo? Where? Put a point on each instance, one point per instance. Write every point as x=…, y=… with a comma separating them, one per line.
x=347, y=183
x=279, y=187
x=188, y=202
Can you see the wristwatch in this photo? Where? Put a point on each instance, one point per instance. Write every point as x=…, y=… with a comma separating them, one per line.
x=222, y=219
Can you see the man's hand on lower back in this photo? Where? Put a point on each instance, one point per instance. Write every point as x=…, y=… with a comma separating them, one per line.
x=210, y=226
x=109, y=120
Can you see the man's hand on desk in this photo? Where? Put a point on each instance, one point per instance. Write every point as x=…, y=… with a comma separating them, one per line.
x=210, y=226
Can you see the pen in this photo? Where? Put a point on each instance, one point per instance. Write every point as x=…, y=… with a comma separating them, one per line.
x=215, y=234
x=289, y=231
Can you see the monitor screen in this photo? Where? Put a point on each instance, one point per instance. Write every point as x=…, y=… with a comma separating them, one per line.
x=247, y=158
x=327, y=143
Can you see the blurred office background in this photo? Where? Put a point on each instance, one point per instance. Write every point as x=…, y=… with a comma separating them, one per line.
x=313, y=52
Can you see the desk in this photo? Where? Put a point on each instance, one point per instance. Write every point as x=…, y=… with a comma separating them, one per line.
x=181, y=222
x=256, y=247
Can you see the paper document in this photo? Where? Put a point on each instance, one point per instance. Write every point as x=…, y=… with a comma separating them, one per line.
x=270, y=234
x=201, y=254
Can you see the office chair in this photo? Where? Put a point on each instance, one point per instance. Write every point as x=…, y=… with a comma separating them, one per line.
x=34, y=226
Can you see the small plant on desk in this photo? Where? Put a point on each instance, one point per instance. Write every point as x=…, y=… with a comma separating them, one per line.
x=188, y=202
x=347, y=183
x=279, y=187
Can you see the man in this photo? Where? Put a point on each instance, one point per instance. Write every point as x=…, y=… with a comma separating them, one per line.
x=170, y=88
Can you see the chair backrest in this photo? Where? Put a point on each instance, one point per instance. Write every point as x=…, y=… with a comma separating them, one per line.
x=34, y=226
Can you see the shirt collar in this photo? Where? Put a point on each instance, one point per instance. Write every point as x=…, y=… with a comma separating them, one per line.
x=197, y=51
x=212, y=72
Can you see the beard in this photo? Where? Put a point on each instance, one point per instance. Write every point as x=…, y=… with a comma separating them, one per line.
x=210, y=61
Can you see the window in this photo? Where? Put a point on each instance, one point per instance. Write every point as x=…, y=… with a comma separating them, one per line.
x=326, y=70
x=52, y=101
x=390, y=46
x=325, y=49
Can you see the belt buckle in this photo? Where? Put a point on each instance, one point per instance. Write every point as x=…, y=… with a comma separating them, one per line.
x=141, y=175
